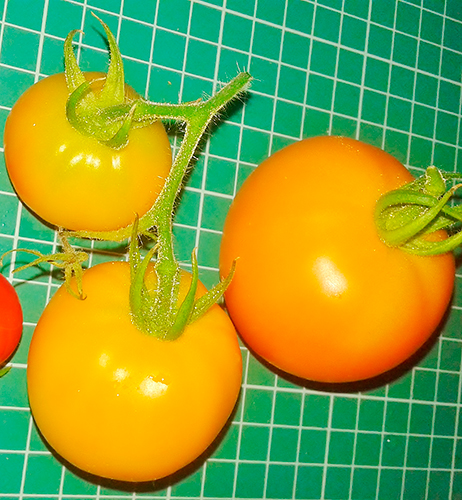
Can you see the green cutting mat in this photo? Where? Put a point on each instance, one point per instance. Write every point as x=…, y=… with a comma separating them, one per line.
x=387, y=72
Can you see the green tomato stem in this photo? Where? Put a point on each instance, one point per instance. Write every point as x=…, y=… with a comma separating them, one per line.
x=406, y=217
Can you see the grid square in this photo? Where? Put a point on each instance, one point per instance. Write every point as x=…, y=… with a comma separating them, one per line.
x=11, y=466
x=399, y=113
x=445, y=420
x=219, y=479
x=423, y=120
x=28, y=18
x=13, y=429
x=338, y=481
x=266, y=41
x=408, y=18
x=313, y=446
x=299, y=16
x=439, y=484
x=292, y=84
x=19, y=48
x=174, y=15
x=429, y=57
x=327, y=24
x=405, y=50
x=393, y=450
x=448, y=387
x=207, y=255
x=214, y=212
x=284, y=445
x=143, y=11
x=237, y=32
x=371, y=415
x=309, y=482
x=421, y=419
x=373, y=107
x=350, y=65
x=341, y=445
x=441, y=453
x=250, y=480
x=169, y=49
x=295, y=49
x=259, y=374
x=418, y=453
x=258, y=406
x=265, y=74
x=346, y=99
x=344, y=412
x=259, y=111
x=451, y=353
x=320, y=91
x=280, y=480
x=431, y=27
x=287, y=408
x=254, y=443
x=288, y=119
x=450, y=65
x=368, y=449
x=382, y=14
x=353, y=32
x=316, y=123
x=273, y=11
x=364, y=484
x=446, y=127
x=189, y=486
x=224, y=141
x=397, y=415
x=201, y=58
x=227, y=443
x=323, y=58
x=452, y=32
x=380, y=41
x=415, y=484
x=135, y=39
x=390, y=484
x=205, y=22
x=75, y=485
x=43, y=475
x=242, y=6
x=377, y=74
x=220, y=175
x=254, y=146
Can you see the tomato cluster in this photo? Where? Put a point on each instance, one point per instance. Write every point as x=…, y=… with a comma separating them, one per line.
x=316, y=292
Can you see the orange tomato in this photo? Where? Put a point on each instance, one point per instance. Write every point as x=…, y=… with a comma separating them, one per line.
x=71, y=180
x=118, y=403
x=316, y=292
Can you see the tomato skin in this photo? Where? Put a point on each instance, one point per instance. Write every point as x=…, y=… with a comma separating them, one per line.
x=10, y=319
x=71, y=180
x=316, y=293
x=118, y=403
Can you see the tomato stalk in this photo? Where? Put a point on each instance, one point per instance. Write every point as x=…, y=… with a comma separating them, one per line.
x=108, y=116
x=407, y=218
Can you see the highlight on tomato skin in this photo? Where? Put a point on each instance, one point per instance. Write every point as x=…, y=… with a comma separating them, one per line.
x=316, y=293
x=118, y=403
x=11, y=319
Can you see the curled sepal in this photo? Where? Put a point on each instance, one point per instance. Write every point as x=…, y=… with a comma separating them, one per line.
x=206, y=301
x=70, y=260
x=407, y=217
x=186, y=308
x=90, y=103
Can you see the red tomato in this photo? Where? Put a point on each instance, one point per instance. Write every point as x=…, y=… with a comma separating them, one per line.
x=316, y=292
x=10, y=319
x=121, y=404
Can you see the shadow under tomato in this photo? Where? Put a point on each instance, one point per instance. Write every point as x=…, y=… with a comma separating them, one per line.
x=366, y=385
x=147, y=486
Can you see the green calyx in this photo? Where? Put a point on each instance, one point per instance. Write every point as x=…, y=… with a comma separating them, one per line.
x=93, y=107
x=407, y=217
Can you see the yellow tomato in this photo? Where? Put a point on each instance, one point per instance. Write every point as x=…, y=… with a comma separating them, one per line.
x=316, y=292
x=118, y=403
x=71, y=180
